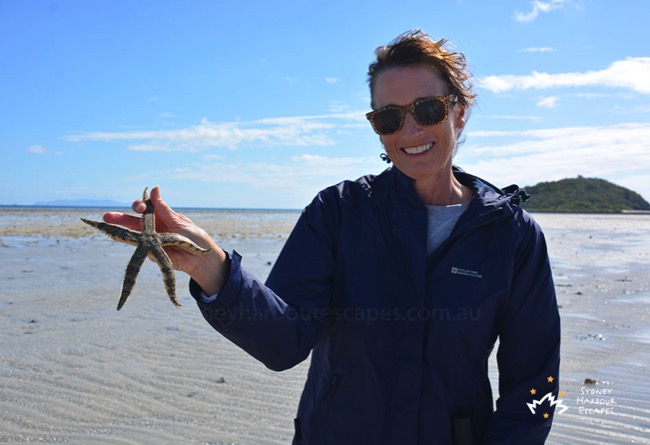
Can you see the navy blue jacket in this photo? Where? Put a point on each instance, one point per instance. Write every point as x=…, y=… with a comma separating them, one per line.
x=399, y=340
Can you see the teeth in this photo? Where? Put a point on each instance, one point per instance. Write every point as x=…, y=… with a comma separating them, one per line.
x=418, y=149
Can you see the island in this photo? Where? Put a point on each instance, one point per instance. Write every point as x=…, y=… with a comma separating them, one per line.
x=583, y=195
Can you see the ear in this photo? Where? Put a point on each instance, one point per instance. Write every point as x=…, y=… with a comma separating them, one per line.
x=460, y=117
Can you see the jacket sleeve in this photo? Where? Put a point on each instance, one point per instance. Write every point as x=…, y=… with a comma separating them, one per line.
x=529, y=346
x=279, y=322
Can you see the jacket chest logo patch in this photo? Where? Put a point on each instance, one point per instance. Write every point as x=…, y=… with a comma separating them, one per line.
x=466, y=272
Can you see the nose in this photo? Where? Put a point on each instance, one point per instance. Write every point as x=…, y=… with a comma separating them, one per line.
x=411, y=126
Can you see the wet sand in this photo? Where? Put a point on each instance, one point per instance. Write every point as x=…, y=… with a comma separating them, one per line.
x=74, y=370
x=600, y=267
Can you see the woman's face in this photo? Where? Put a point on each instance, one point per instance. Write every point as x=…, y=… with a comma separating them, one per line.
x=420, y=152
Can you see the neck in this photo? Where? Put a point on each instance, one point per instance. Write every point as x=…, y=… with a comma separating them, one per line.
x=442, y=190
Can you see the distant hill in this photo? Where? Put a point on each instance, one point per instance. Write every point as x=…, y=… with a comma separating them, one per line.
x=583, y=195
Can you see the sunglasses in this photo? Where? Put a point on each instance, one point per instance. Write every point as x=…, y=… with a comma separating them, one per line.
x=425, y=111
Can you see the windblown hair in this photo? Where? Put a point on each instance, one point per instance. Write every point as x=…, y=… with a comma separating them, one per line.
x=417, y=48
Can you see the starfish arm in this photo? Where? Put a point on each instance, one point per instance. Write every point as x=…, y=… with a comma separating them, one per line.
x=174, y=239
x=149, y=215
x=132, y=270
x=116, y=233
x=148, y=219
x=167, y=269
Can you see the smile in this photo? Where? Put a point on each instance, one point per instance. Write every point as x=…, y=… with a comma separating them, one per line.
x=417, y=150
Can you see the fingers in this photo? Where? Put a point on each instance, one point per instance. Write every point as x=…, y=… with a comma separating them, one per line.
x=122, y=219
x=163, y=211
x=139, y=206
x=162, y=208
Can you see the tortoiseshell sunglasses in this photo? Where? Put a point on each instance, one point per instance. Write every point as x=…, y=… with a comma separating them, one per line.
x=425, y=111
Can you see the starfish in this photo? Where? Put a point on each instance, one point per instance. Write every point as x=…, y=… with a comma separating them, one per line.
x=148, y=242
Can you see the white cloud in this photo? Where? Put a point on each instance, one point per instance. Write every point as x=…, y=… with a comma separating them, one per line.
x=489, y=134
x=543, y=49
x=538, y=7
x=638, y=109
x=301, y=170
x=332, y=80
x=632, y=73
x=338, y=107
x=590, y=96
x=638, y=183
x=512, y=117
x=288, y=184
x=156, y=147
x=620, y=153
x=548, y=102
x=37, y=149
x=288, y=131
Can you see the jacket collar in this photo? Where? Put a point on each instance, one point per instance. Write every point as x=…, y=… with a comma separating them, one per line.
x=489, y=202
x=488, y=194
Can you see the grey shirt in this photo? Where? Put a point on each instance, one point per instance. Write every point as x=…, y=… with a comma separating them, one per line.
x=442, y=220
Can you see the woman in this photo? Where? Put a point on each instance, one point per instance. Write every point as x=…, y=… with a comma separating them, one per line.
x=399, y=284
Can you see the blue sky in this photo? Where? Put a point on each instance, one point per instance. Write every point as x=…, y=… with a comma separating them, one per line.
x=260, y=104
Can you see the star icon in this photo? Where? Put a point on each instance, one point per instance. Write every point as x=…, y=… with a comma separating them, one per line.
x=550, y=379
x=533, y=391
x=546, y=416
x=561, y=393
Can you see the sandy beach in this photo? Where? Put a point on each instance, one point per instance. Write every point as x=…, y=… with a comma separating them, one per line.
x=74, y=370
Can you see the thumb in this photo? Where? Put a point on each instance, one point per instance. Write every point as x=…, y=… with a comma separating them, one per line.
x=162, y=208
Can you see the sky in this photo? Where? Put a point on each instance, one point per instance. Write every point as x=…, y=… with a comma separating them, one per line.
x=260, y=104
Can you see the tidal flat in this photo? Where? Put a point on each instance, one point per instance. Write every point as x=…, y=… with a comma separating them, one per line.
x=74, y=370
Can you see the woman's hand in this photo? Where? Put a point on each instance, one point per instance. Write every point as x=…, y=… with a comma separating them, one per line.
x=209, y=270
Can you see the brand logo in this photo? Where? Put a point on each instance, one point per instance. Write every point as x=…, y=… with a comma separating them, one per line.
x=551, y=399
x=546, y=402
x=466, y=272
